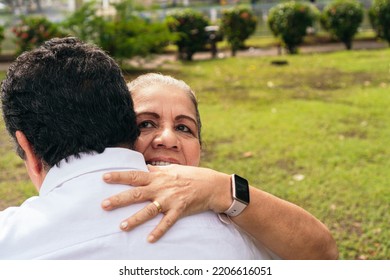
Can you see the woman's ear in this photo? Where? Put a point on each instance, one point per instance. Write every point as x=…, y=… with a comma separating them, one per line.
x=33, y=163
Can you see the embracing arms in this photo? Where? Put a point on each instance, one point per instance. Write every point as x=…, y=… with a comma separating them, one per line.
x=286, y=229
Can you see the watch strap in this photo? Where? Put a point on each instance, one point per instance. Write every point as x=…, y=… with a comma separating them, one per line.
x=236, y=208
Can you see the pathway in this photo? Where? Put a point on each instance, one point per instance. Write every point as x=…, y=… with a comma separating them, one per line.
x=165, y=59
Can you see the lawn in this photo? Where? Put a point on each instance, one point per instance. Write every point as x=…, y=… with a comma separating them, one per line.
x=314, y=132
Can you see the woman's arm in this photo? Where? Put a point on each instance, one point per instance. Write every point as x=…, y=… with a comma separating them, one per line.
x=286, y=229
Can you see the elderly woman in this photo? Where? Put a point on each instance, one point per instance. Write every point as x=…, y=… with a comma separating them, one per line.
x=170, y=140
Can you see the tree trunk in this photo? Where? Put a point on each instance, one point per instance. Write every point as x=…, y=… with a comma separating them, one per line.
x=348, y=44
x=234, y=51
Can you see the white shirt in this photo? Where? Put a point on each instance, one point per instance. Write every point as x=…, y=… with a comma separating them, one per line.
x=66, y=220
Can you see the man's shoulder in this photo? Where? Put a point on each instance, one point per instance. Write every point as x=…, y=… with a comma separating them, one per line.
x=11, y=211
x=13, y=222
x=6, y=214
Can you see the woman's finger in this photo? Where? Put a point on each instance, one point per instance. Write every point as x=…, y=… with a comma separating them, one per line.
x=148, y=212
x=134, y=195
x=135, y=178
x=165, y=224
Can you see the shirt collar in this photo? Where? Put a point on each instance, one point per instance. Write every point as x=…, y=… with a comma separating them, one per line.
x=110, y=159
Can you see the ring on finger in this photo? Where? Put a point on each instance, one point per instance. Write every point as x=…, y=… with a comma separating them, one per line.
x=158, y=205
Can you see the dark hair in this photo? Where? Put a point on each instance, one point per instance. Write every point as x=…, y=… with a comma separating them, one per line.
x=68, y=97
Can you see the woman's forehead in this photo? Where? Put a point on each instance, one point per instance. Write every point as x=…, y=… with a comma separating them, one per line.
x=160, y=91
x=157, y=88
x=167, y=94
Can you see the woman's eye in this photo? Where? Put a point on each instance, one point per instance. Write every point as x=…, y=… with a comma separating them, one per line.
x=145, y=124
x=183, y=128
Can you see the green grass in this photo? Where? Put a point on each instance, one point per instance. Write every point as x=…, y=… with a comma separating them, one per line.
x=324, y=117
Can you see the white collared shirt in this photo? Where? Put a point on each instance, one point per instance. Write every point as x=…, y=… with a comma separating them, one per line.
x=66, y=220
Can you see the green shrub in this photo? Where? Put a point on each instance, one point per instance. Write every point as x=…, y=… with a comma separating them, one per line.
x=137, y=36
x=133, y=37
x=32, y=31
x=379, y=15
x=289, y=21
x=237, y=25
x=189, y=26
x=342, y=19
x=122, y=36
x=84, y=23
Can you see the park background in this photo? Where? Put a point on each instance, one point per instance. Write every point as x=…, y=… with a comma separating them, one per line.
x=311, y=128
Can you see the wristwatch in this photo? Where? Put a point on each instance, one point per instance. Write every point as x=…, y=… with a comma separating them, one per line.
x=240, y=195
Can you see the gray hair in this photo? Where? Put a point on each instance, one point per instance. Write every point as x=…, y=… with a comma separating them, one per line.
x=152, y=79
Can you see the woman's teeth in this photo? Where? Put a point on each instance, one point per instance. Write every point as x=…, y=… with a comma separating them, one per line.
x=159, y=163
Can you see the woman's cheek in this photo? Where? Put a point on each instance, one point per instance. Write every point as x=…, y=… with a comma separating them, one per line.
x=140, y=144
x=193, y=154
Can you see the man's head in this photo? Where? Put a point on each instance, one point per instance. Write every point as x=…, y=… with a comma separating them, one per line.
x=67, y=97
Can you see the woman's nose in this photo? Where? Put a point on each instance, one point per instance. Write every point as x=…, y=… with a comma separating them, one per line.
x=166, y=138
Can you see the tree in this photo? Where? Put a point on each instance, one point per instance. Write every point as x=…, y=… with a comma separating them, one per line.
x=189, y=26
x=238, y=24
x=342, y=18
x=290, y=20
x=379, y=14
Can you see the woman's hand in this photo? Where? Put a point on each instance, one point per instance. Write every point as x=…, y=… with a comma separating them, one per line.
x=185, y=190
x=180, y=190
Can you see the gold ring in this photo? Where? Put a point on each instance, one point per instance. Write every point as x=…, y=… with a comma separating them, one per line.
x=158, y=205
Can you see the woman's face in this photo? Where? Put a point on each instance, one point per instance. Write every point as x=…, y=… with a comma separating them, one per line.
x=167, y=120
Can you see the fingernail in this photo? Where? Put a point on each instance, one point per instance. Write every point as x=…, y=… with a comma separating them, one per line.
x=151, y=238
x=106, y=203
x=124, y=225
x=107, y=177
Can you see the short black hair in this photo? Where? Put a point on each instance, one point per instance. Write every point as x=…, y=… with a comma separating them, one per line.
x=68, y=97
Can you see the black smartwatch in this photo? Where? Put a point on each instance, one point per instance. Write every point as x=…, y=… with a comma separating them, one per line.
x=240, y=195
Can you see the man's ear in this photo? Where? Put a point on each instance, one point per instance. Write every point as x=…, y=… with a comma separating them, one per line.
x=33, y=163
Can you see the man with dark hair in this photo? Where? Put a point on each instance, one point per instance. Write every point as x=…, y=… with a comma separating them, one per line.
x=67, y=106
x=59, y=95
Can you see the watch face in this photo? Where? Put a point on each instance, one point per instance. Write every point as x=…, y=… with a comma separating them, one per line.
x=242, y=189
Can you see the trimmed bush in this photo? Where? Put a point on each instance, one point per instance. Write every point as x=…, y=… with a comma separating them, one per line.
x=379, y=15
x=32, y=31
x=189, y=25
x=238, y=24
x=342, y=19
x=289, y=21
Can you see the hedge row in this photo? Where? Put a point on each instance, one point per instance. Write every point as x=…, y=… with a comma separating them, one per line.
x=126, y=35
x=341, y=18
